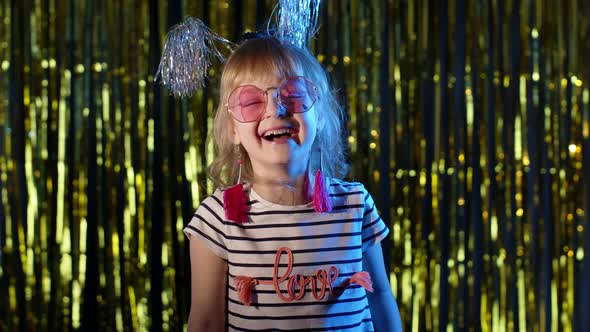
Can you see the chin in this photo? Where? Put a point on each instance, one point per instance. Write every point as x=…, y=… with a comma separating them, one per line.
x=280, y=158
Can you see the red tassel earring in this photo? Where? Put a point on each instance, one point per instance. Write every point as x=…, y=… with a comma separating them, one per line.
x=321, y=197
x=234, y=199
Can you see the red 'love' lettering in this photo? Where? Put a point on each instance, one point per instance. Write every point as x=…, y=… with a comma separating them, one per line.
x=325, y=278
x=244, y=284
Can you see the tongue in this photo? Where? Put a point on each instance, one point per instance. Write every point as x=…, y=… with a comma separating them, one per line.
x=281, y=139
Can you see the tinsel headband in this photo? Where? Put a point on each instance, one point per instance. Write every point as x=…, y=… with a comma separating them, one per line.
x=191, y=45
x=186, y=56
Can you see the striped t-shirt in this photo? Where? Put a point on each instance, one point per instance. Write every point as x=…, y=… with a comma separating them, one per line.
x=318, y=241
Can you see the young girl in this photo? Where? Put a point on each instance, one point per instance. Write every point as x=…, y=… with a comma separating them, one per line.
x=303, y=254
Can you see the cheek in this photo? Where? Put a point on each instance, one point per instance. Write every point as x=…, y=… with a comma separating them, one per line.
x=246, y=131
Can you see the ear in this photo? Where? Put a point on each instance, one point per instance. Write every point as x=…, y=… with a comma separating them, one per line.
x=236, y=137
x=321, y=124
x=233, y=133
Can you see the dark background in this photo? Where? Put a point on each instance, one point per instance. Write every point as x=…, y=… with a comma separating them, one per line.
x=468, y=121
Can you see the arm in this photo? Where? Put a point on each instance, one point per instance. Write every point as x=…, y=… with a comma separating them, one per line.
x=208, y=284
x=383, y=307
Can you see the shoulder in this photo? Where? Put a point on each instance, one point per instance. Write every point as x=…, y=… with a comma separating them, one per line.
x=345, y=186
x=217, y=195
x=346, y=192
x=213, y=202
x=354, y=191
x=341, y=187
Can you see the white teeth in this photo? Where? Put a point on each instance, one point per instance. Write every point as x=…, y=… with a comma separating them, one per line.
x=278, y=132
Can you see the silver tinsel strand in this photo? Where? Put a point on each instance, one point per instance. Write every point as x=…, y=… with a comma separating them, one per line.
x=186, y=56
x=297, y=21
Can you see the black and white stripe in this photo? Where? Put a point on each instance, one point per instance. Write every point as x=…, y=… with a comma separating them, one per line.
x=317, y=241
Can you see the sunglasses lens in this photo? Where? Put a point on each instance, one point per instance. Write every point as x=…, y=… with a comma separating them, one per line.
x=297, y=95
x=247, y=102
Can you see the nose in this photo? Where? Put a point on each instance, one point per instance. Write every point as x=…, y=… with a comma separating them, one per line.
x=274, y=108
x=281, y=110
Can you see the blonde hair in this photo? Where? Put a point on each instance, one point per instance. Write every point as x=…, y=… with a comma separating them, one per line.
x=259, y=56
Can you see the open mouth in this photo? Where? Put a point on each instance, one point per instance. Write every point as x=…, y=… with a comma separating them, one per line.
x=278, y=134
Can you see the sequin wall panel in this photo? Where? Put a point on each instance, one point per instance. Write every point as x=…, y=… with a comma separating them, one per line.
x=469, y=122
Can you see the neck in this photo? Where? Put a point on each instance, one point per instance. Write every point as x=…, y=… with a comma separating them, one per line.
x=283, y=185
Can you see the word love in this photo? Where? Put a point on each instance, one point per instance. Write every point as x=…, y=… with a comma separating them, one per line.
x=325, y=278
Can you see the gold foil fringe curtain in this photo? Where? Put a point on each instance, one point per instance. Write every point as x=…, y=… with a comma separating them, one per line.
x=469, y=121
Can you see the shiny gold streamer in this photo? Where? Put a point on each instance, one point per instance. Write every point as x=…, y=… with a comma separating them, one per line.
x=100, y=170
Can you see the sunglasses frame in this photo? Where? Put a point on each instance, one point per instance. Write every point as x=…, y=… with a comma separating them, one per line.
x=265, y=92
